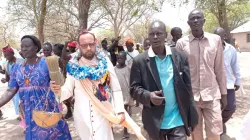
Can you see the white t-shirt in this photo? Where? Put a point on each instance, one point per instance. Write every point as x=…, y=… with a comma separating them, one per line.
x=130, y=56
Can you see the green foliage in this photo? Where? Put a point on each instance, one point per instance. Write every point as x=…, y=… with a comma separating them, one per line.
x=238, y=14
x=135, y=13
x=122, y=14
x=238, y=11
x=100, y=35
x=211, y=22
x=139, y=32
x=168, y=28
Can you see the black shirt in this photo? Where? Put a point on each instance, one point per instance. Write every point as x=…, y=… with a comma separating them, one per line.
x=113, y=55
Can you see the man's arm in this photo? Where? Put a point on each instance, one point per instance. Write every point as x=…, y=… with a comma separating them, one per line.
x=112, y=46
x=65, y=54
x=219, y=68
x=7, y=96
x=186, y=75
x=193, y=114
x=66, y=91
x=7, y=77
x=2, y=71
x=235, y=67
x=136, y=90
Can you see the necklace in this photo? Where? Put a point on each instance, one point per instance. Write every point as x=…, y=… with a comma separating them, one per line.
x=90, y=72
x=27, y=74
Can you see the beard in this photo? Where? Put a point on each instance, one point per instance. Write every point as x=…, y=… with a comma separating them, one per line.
x=88, y=55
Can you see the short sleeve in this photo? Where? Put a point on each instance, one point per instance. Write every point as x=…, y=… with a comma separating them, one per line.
x=13, y=75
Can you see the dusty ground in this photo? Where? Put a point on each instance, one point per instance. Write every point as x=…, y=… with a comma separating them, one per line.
x=10, y=131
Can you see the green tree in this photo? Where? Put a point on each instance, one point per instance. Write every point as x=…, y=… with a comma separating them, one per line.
x=7, y=35
x=122, y=14
x=211, y=22
x=69, y=18
x=221, y=10
x=31, y=12
x=109, y=34
x=229, y=14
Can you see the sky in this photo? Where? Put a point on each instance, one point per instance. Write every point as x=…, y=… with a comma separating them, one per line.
x=171, y=16
x=175, y=16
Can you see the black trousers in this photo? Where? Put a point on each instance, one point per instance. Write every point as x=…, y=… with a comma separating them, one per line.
x=177, y=133
x=228, y=112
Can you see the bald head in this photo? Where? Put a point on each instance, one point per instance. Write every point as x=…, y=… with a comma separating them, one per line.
x=157, y=24
x=220, y=32
x=176, y=33
x=196, y=11
x=196, y=21
x=157, y=34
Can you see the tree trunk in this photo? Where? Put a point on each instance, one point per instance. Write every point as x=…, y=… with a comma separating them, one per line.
x=116, y=31
x=41, y=20
x=83, y=9
x=222, y=18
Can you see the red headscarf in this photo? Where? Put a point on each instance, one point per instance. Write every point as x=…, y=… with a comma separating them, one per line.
x=8, y=49
x=72, y=44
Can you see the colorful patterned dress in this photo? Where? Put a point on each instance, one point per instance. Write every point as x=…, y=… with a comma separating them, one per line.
x=32, y=95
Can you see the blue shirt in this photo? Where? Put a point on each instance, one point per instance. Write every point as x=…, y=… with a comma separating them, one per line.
x=10, y=65
x=172, y=117
x=232, y=66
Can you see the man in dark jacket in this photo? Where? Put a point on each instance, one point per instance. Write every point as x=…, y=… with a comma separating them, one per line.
x=160, y=80
x=114, y=49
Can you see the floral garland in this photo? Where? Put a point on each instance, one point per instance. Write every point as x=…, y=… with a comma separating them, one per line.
x=93, y=73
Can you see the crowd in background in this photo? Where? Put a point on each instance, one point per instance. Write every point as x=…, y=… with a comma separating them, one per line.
x=180, y=83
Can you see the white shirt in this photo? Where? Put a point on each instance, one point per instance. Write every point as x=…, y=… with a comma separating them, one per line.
x=232, y=66
x=131, y=56
x=89, y=123
x=74, y=56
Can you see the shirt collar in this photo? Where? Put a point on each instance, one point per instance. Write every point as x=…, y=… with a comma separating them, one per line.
x=191, y=36
x=151, y=53
x=226, y=46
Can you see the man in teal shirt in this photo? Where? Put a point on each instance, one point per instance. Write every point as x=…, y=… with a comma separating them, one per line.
x=160, y=80
x=172, y=117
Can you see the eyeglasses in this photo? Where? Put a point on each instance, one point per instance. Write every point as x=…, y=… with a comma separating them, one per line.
x=91, y=45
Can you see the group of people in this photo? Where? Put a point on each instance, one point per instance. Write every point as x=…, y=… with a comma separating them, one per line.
x=182, y=84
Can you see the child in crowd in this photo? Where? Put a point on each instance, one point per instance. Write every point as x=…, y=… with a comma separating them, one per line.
x=123, y=73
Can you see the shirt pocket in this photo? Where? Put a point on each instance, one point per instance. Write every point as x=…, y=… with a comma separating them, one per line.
x=210, y=54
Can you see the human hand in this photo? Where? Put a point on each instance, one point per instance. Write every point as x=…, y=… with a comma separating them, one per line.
x=119, y=38
x=223, y=102
x=3, y=80
x=156, y=97
x=236, y=87
x=54, y=87
x=66, y=43
x=122, y=116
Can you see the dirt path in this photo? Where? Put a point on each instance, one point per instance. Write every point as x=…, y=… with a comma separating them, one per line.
x=10, y=131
